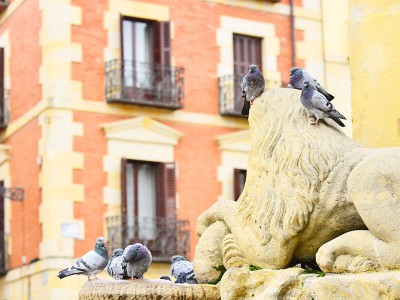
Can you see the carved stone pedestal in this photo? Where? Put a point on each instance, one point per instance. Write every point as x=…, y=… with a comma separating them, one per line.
x=146, y=289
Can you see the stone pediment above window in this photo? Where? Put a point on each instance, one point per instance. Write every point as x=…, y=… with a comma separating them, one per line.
x=142, y=129
x=236, y=141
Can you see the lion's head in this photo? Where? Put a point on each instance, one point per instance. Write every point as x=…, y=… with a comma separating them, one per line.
x=288, y=161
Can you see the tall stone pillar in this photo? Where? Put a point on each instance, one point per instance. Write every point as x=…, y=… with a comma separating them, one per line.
x=374, y=55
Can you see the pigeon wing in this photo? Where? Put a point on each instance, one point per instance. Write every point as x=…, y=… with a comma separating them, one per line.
x=320, y=102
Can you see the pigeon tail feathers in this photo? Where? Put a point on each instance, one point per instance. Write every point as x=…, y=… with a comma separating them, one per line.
x=65, y=273
x=337, y=120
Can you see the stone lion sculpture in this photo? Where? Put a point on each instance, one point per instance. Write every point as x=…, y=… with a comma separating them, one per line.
x=311, y=194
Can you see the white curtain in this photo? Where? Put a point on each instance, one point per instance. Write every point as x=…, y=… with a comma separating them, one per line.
x=130, y=204
x=147, y=201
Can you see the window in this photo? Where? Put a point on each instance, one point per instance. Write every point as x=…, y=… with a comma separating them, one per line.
x=144, y=75
x=246, y=51
x=3, y=5
x=148, y=204
x=239, y=179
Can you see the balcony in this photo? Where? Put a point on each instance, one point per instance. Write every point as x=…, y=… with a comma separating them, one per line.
x=230, y=94
x=164, y=237
x=132, y=82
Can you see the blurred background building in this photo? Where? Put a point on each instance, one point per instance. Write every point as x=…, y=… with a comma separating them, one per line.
x=122, y=119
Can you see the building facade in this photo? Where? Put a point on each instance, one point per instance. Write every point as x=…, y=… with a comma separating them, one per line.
x=121, y=119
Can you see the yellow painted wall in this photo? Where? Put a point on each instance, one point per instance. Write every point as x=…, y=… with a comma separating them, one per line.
x=375, y=66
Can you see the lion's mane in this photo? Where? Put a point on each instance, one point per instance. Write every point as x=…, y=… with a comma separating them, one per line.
x=288, y=161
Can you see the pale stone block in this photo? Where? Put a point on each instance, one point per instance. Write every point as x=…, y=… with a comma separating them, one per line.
x=59, y=33
x=245, y=26
x=56, y=52
x=271, y=46
x=57, y=247
x=141, y=151
x=112, y=196
x=114, y=179
x=111, y=164
x=270, y=62
x=110, y=54
x=140, y=10
x=309, y=50
x=111, y=21
x=56, y=13
x=114, y=39
x=52, y=68
x=224, y=38
x=312, y=5
x=60, y=90
x=224, y=69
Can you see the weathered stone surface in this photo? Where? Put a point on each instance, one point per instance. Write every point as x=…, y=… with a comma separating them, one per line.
x=311, y=193
x=146, y=289
x=291, y=284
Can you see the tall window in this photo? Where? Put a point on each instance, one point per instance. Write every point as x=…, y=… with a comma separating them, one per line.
x=239, y=179
x=146, y=53
x=148, y=202
x=246, y=51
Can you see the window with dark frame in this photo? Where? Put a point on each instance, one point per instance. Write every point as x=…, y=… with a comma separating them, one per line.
x=148, y=204
x=239, y=180
x=246, y=51
x=146, y=54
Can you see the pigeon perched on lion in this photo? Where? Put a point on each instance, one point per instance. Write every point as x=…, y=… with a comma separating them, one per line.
x=311, y=195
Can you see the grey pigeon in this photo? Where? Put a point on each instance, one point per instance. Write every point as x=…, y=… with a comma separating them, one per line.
x=318, y=105
x=182, y=270
x=137, y=259
x=116, y=266
x=297, y=78
x=252, y=85
x=91, y=263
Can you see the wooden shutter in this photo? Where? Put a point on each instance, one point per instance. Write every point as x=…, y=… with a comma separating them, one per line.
x=246, y=51
x=2, y=233
x=239, y=179
x=124, y=230
x=166, y=189
x=236, y=184
x=162, y=43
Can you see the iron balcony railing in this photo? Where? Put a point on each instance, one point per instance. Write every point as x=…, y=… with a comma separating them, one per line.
x=230, y=94
x=164, y=237
x=4, y=111
x=133, y=82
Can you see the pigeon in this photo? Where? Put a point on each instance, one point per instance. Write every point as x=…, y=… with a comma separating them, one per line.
x=182, y=270
x=297, y=78
x=116, y=266
x=91, y=263
x=137, y=259
x=318, y=105
x=252, y=85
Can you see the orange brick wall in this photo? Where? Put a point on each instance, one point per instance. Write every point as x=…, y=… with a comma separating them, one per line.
x=24, y=27
x=92, y=36
x=25, y=228
x=24, y=93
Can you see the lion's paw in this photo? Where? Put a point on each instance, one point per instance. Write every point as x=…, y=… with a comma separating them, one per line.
x=325, y=257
